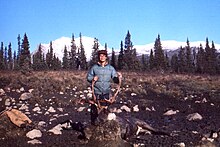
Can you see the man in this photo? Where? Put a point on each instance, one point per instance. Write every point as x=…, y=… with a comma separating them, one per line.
x=101, y=74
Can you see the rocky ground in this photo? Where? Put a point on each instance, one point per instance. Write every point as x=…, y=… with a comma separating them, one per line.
x=187, y=106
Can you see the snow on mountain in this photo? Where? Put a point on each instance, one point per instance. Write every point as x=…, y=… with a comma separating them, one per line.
x=88, y=42
x=59, y=44
x=170, y=45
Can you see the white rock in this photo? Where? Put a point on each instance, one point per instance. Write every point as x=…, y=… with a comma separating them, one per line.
x=22, y=89
x=36, y=109
x=85, y=91
x=194, y=116
x=42, y=124
x=46, y=113
x=89, y=95
x=7, y=102
x=182, y=144
x=51, y=110
x=170, y=112
x=34, y=141
x=111, y=116
x=215, y=135
x=2, y=92
x=25, y=96
x=30, y=90
x=23, y=107
x=80, y=109
x=148, y=109
x=56, y=130
x=61, y=92
x=133, y=94
x=18, y=91
x=135, y=108
x=0, y=99
x=60, y=109
x=126, y=108
x=34, y=134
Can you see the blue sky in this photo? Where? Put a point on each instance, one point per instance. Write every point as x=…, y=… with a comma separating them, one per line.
x=109, y=20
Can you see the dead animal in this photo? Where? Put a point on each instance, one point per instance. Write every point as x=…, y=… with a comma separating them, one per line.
x=131, y=126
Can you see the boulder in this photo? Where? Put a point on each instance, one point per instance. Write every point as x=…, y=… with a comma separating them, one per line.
x=106, y=134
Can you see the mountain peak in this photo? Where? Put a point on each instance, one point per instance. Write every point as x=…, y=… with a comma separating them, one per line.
x=88, y=42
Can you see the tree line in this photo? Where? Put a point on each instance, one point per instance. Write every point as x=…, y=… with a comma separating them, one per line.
x=202, y=60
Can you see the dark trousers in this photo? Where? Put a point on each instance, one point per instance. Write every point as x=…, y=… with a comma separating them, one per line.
x=94, y=110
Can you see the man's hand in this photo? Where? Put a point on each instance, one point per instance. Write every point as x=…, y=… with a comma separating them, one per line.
x=95, y=78
x=119, y=75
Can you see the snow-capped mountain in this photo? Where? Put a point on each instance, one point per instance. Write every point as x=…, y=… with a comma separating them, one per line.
x=88, y=42
x=59, y=44
x=171, y=45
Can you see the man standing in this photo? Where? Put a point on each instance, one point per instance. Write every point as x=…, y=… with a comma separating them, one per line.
x=101, y=74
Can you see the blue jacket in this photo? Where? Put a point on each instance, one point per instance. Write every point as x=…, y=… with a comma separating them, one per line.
x=105, y=74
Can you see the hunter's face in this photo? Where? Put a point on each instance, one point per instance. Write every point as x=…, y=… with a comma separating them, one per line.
x=102, y=57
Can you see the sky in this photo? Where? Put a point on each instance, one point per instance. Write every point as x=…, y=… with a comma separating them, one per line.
x=109, y=20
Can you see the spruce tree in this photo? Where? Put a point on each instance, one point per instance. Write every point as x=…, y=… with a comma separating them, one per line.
x=113, y=60
x=19, y=49
x=25, y=58
x=65, y=59
x=200, y=60
x=174, y=63
x=6, y=58
x=2, y=67
x=151, y=60
x=72, y=55
x=51, y=56
x=94, y=56
x=121, y=57
x=214, y=61
x=130, y=56
x=159, y=58
x=10, y=59
x=83, y=62
x=189, y=59
x=182, y=60
x=144, y=65
x=15, y=62
x=211, y=61
x=38, y=63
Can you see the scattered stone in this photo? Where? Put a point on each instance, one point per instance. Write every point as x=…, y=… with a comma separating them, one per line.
x=26, y=96
x=30, y=90
x=23, y=107
x=170, y=112
x=182, y=144
x=215, y=135
x=22, y=89
x=56, y=130
x=36, y=109
x=126, y=108
x=80, y=109
x=60, y=109
x=133, y=94
x=51, y=110
x=2, y=92
x=34, y=134
x=135, y=108
x=7, y=102
x=194, y=116
x=34, y=141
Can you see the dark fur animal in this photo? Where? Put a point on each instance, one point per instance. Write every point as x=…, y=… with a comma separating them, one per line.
x=131, y=126
x=77, y=126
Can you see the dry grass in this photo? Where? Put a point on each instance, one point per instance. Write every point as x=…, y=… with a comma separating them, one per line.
x=170, y=84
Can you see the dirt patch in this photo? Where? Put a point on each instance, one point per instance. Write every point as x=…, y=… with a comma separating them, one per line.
x=153, y=94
